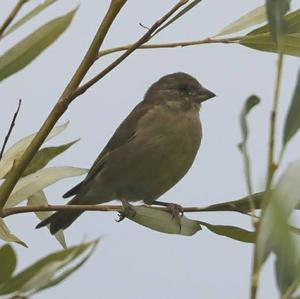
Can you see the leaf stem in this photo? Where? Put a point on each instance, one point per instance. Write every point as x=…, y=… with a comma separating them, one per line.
x=208, y=40
x=11, y=16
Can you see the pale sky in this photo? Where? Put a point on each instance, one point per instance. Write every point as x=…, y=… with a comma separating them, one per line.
x=132, y=261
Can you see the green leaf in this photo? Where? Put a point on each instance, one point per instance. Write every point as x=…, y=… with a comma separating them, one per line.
x=289, y=44
x=275, y=11
x=39, y=199
x=292, y=24
x=17, y=150
x=43, y=271
x=254, y=17
x=180, y=14
x=251, y=102
x=164, y=222
x=292, y=122
x=274, y=233
x=44, y=156
x=68, y=272
x=7, y=236
x=38, y=9
x=39, y=180
x=29, y=48
x=242, y=205
x=232, y=232
x=8, y=260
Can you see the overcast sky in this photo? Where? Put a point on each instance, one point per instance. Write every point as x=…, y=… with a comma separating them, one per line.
x=132, y=261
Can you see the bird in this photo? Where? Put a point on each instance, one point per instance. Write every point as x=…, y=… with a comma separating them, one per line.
x=149, y=153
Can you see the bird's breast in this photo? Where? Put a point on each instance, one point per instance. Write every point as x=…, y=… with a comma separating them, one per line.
x=166, y=144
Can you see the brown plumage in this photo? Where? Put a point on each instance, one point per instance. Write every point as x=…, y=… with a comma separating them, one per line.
x=149, y=153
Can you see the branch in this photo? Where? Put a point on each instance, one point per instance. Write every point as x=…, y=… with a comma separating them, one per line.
x=208, y=40
x=12, y=124
x=11, y=16
x=108, y=208
x=146, y=37
x=62, y=105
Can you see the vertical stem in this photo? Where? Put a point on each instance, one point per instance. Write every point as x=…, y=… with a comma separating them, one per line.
x=272, y=166
x=271, y=163
x=11, y=16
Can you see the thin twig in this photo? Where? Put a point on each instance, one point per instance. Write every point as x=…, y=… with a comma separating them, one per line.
x=12, y=124
x=11, y=16
x=106, y=208
x=208, y=40
x=146, y=37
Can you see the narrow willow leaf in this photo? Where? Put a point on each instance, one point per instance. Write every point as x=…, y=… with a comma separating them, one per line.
x=289, y=44
x=232, y=232
x=251, y=102
x=292, y=122
x=276, y=9
x=284, y=198
x=295, y=230
x=65, y=274
x=38, y=9
x=44, y=156
x=242, y=205
x=39, y=180
x=7, y=236
x=163, y=221
x=39, y=199
x=292, y=24
x=180, y=14
x=286, y=266
x=254, y=17
x=286, y=253
x=8, y=260
x=43, y=271
x=29, y=48
x=17, y=150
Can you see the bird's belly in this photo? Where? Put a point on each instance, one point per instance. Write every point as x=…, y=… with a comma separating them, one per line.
x=156, y=164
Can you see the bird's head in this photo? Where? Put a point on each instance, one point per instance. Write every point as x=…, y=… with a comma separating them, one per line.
x=180, y=89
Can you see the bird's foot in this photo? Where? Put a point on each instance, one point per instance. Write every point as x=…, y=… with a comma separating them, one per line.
x=127, y=211
x=175, y=210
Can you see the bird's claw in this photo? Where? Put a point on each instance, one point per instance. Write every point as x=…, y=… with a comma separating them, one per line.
x=127, y=211
x=175, y=210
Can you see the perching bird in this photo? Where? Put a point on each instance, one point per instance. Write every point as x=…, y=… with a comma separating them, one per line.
x=149, y=153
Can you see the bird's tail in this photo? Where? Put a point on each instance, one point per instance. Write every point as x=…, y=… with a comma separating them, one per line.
x=60, y=220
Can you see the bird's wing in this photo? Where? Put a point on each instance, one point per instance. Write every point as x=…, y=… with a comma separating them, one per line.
x=124, y=134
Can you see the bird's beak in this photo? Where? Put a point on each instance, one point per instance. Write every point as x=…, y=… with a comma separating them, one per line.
x=205, y=94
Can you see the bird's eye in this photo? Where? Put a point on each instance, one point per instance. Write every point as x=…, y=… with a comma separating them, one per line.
x=183, y=88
